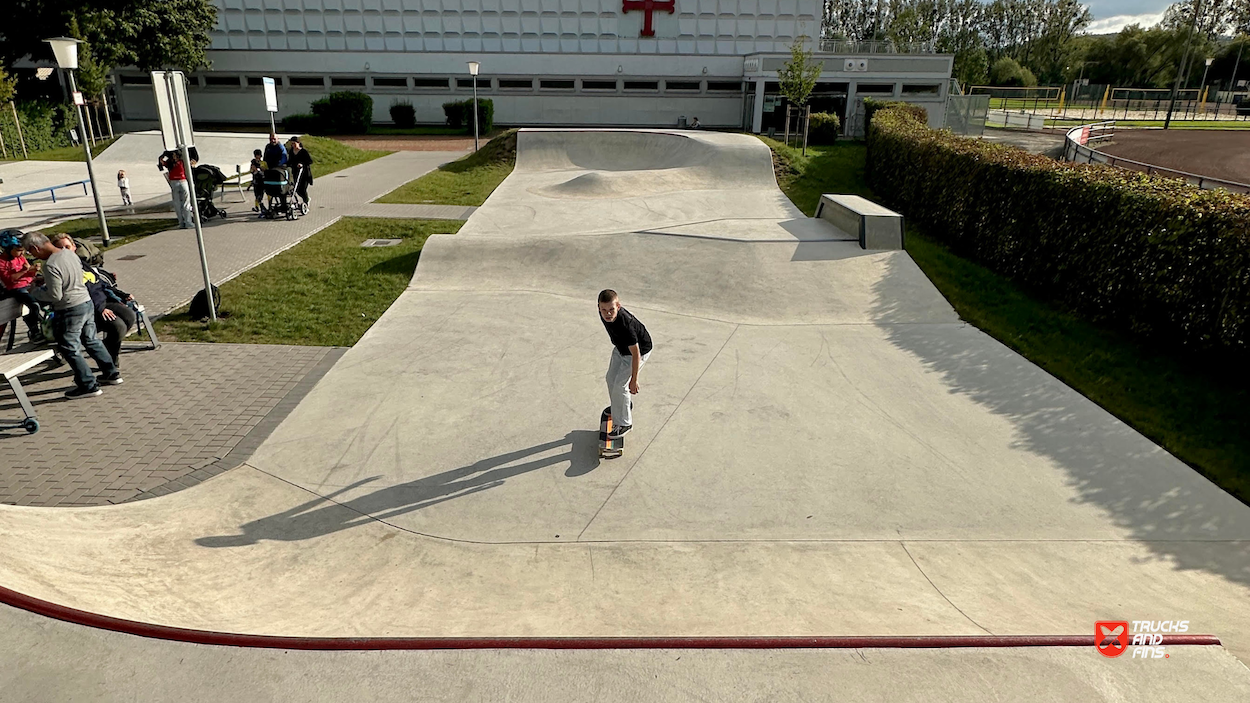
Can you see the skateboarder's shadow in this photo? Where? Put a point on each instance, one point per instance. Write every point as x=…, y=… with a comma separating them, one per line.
x=325, y=515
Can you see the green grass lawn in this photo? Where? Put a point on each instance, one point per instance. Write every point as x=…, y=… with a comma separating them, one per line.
x=65, y=153
x=121, y=231
x=331, y=155
x=467, y=181
x=325, y=291
x=1197, y=409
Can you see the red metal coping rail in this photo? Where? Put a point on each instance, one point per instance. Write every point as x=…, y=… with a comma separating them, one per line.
x=1074, y=149
x=231, y=639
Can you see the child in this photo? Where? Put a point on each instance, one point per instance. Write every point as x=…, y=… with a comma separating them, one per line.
x=123, y=184
x=16, y=277
x=258, y=179
x=632, y=347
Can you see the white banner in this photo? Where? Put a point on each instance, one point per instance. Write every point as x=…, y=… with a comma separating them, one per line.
x=170, y=89
x=271, y=94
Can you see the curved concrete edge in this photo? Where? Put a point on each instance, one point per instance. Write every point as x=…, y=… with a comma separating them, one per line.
x=208, y=637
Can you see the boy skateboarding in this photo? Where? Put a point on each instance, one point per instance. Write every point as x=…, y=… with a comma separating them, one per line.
x=631, y=346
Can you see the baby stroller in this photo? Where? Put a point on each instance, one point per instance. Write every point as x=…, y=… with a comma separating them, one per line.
x=280, y=191
x=208, y=179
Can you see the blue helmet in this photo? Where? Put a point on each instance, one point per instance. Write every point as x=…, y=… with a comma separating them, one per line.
x=10, y=238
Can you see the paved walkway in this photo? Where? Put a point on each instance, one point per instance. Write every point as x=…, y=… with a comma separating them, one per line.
x=183, y=411
x=163, y=270
x=423, y=212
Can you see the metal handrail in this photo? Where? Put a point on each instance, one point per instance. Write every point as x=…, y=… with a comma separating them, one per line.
x=49, y=189
x=1074, y=151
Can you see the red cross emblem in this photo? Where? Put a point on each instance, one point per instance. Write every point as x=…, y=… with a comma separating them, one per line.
x=649, y=7
x=1111, y=637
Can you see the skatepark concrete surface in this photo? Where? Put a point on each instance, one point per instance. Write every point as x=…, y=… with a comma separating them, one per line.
x=135, y=153
x=820, y=447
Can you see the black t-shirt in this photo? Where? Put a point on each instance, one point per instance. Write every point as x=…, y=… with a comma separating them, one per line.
x=304, y=159
x=626, y=331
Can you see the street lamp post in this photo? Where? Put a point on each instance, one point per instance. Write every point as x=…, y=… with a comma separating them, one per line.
x=473, y=69
x=66, y=51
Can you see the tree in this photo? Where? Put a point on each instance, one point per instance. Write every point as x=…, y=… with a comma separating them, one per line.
x=798, y=76
x=1008, y=72
x=972, y=67
x=168, y=34
x=8, y=86
x=853, y=20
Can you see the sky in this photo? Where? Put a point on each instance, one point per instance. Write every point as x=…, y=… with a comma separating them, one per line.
x=1114, y=15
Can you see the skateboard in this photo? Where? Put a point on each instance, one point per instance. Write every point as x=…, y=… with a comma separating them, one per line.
x=609, y=448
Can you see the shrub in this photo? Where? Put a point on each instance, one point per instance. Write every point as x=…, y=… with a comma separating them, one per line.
x=824, y=128
x=403, y=114
x=45, y=125
x=1152, y=255
x=1008, y=72
x=454, y=112
x=346, y=112
x=871, y=106
x=460, y=114
x=302, y=123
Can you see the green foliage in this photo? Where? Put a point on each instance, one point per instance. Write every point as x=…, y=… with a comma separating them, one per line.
x=799, y=75
x=345, y=112
x=837, y=168
x=824, y=128
x=972, y=66
x=152, y=35
x=872, y=106
x=1154, y=256
x=466, y=181
x=403, y=114
x=303, y=122
x=459, y=113
x=1008, y=72
x=8, y=86
x=45, y=126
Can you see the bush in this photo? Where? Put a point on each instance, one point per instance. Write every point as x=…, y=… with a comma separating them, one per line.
x=45, y=125
x=1152, y=255
x=460, y=114
x=1007, y=72
x=871, y=106
x=824, y=128
x=303, y=123
x=403, y=114
x=346, y=112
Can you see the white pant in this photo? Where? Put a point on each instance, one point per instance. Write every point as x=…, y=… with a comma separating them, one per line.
x=182, y=203
x=620, y=369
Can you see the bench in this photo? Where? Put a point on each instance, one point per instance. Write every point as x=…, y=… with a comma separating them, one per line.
x=11, y=311
x=11, y=367
x=50, y=189
x=877, y=227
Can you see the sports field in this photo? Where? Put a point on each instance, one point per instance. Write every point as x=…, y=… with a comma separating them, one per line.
x=1220, y=153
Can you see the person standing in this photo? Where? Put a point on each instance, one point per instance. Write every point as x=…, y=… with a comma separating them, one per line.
x=258, y=178
x=631, y=348
x=73, y=325
x=123, y=184
x=275, y=153
x=170, y=163
x=301, y=161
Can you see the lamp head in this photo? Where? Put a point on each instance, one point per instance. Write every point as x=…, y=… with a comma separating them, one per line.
x=66, y=51
x=473, y=68
x=1210, y=61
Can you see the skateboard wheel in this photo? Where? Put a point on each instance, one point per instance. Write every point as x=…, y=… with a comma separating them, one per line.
x=31, y=425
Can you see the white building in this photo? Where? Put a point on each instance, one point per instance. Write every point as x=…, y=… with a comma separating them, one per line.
x=543, y=62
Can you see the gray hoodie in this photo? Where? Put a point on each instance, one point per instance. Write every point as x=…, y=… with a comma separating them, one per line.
x=62, y=282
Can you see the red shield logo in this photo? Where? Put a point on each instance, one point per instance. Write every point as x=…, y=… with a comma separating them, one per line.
x=1111, y=637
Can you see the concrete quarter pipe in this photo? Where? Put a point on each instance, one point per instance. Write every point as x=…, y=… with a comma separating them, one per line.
x=820, y=448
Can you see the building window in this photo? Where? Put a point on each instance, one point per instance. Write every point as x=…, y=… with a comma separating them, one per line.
x=556, y=85
x=681, y=85
x=221, y=81
x=136, y=80
x=922, y=89
x=875, y=88
x=257, y=81
x=598, y=85
x=305, y=82
x=437, y=83
x=724, y=86
x=516, y=84
x=483, y=83
x=347, y=82
x=642, y=85
x=392, y=82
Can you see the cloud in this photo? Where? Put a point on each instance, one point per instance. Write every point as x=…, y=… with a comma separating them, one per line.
x=1111, y=25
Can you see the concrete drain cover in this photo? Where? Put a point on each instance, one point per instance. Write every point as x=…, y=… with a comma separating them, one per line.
x=380, y=242
x=131, y=257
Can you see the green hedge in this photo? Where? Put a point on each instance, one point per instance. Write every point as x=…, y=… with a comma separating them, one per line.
x=459, y=113
x=303, y=123
x=403, y=114
x=872, y=106
x=346, y=112
x=1152, y=255
x=824, y=128
x=45, y=125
